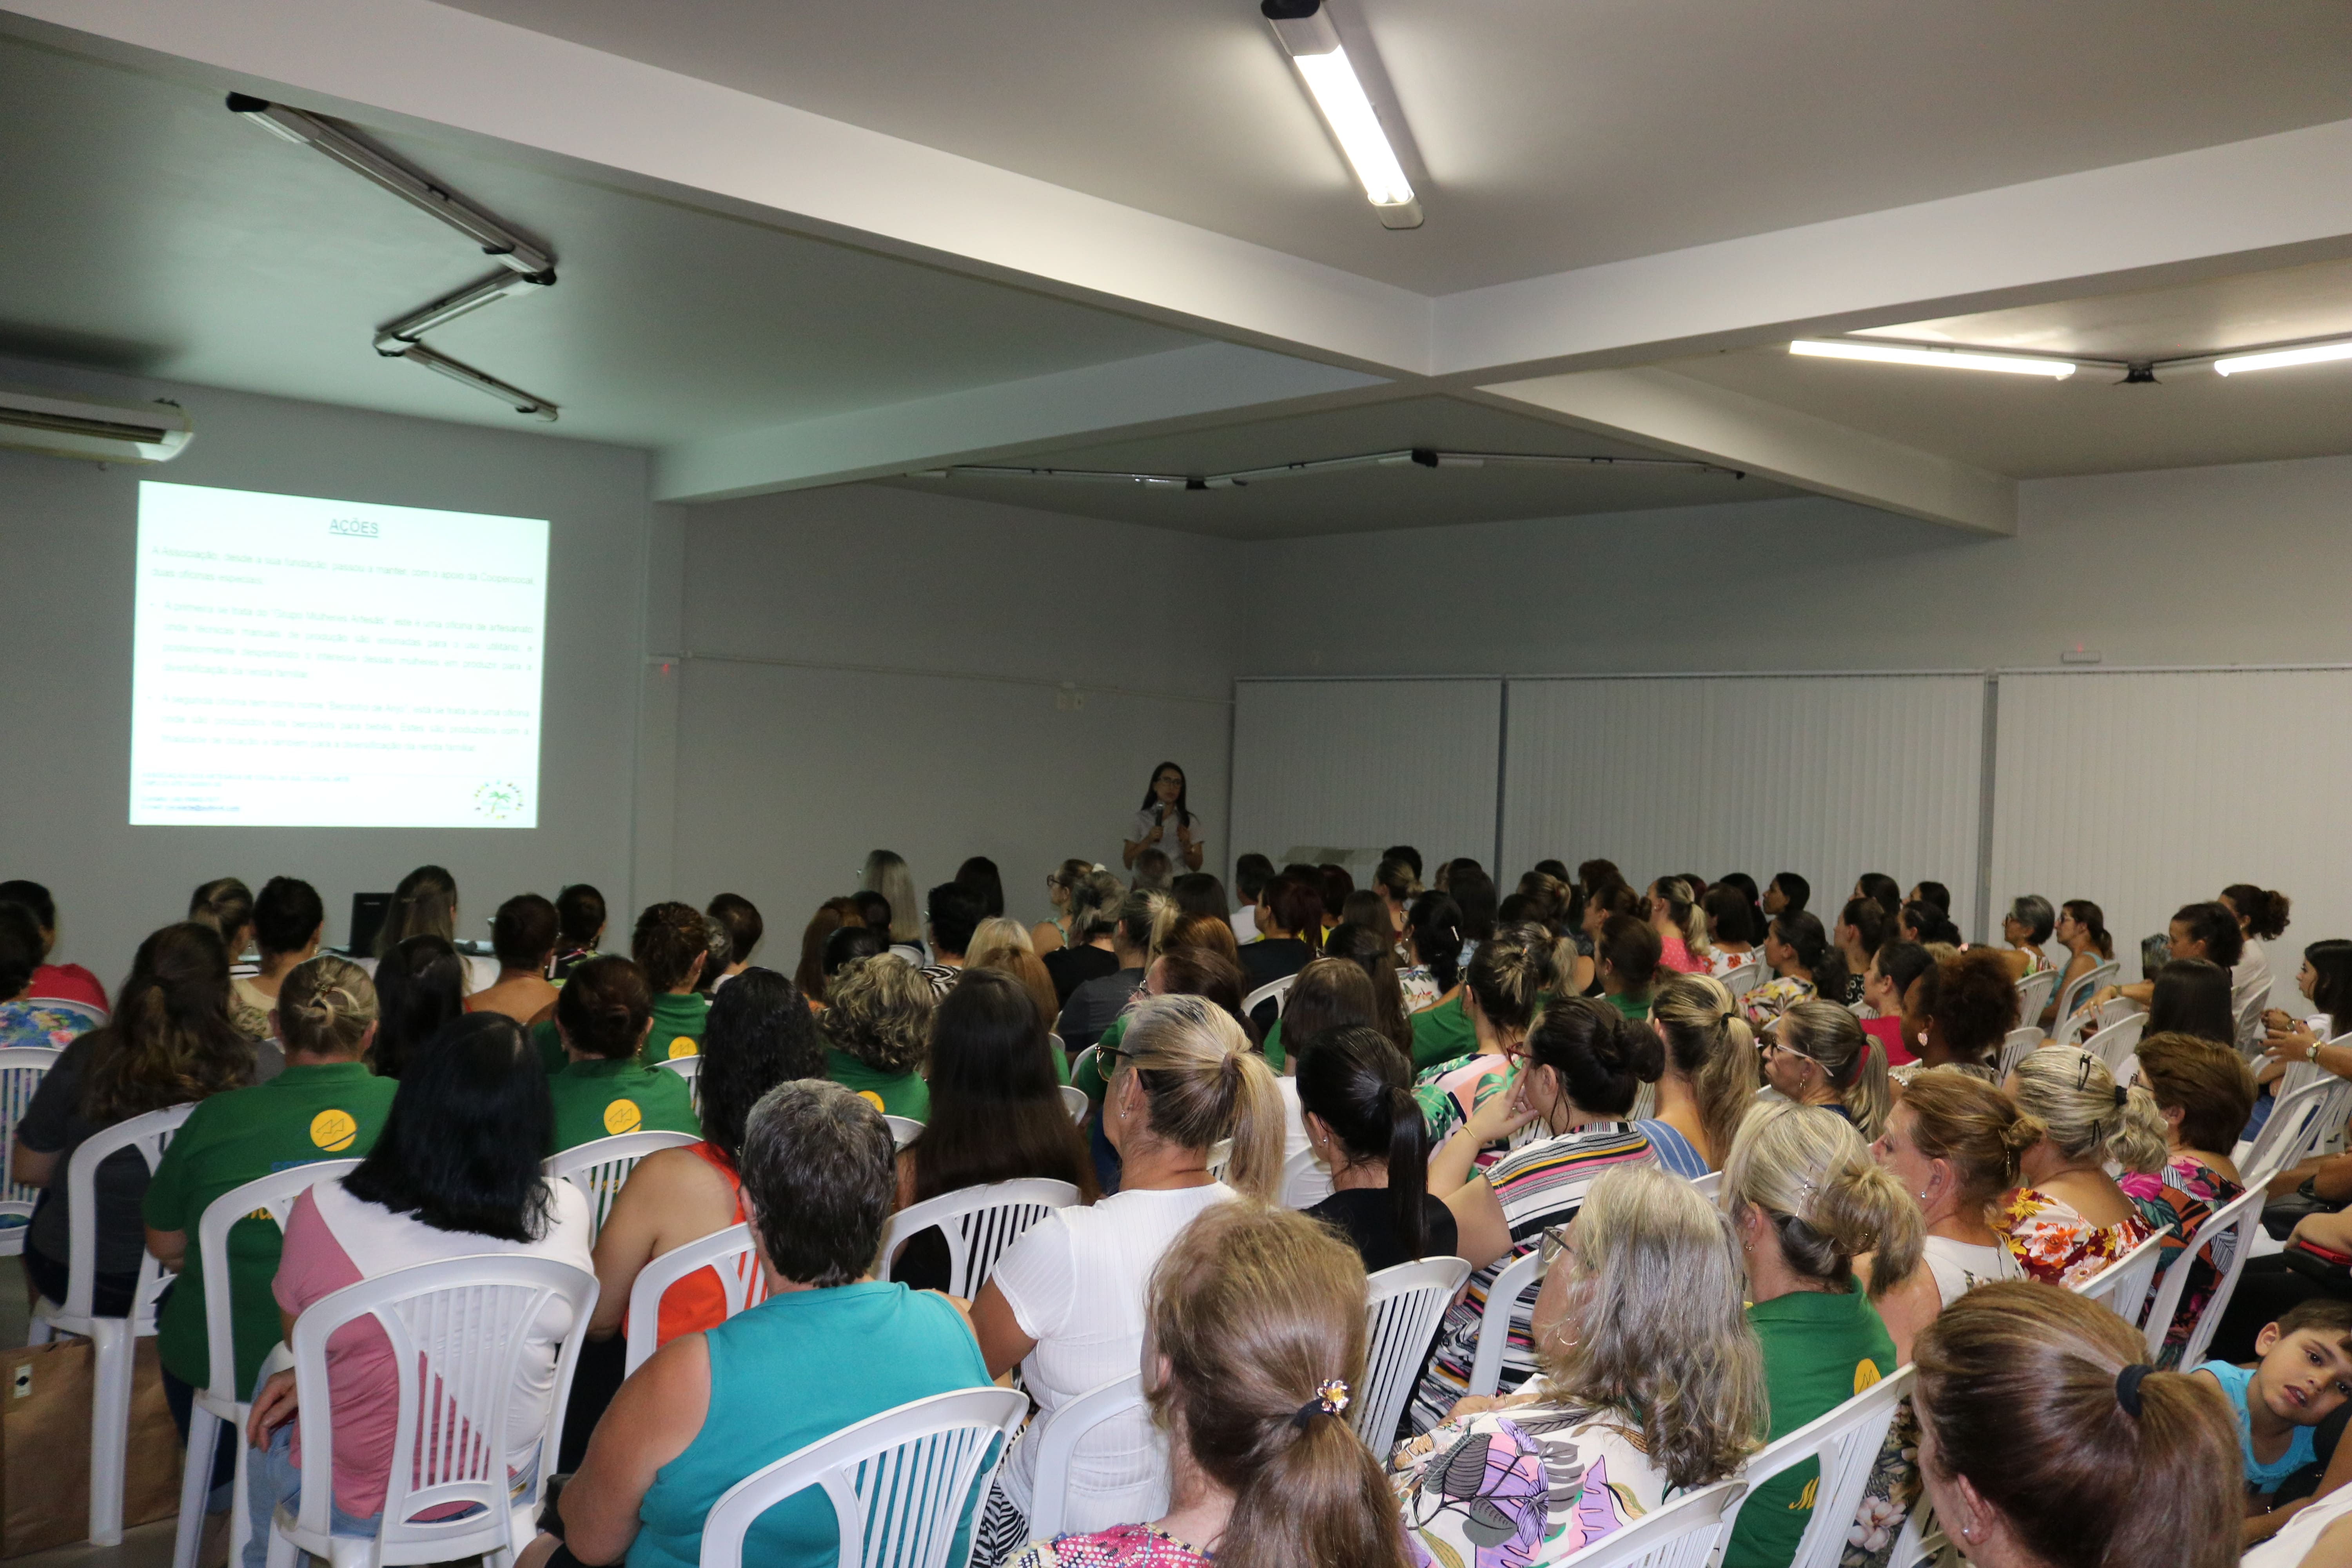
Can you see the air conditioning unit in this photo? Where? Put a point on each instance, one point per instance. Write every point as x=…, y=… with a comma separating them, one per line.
x=63, y=426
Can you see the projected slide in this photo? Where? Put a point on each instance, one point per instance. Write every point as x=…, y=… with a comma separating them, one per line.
x=304, y=663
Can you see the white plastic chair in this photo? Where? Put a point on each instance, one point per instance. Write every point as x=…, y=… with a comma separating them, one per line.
x=1709, y=1186
x=599, y=1167
x=2250, y=1023
x=464, y=1324
x=691, y=1069
x=1684, y=1533
x=1740, y=979
x=1076, y=1099
x=902, y=1484
x=727, y=1253
x=21, y=1071
x=1518, y=1279
x=2088, y=1021
x=1221, y=1155
x=2114, y=1043
x=1058, y=1438
x=2090, y=980
x=2019, y=1044
x=904, y=1130
x=217, y=1411
x=1846, y=1441
x=980, y=1224
x=1305, y=1180
x=2230, y=1232
x=2034, y=995
x=1406, y=1304
x=2301, y=1120
x=2122, y=1286
x=1271, y=990
x=113, y=1340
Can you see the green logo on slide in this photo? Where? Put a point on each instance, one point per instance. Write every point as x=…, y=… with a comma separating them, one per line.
x=499, y=799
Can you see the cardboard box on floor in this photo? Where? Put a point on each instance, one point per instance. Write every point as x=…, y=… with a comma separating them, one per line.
x=45, y=1446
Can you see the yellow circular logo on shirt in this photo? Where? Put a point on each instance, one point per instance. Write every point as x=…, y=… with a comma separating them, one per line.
x=684, y=1045
x=623, y=1116
x=333, y=1131
x=870, y=1098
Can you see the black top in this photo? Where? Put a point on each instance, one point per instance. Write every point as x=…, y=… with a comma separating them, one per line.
x=53, y=1124
x=1093, y=1006
x=1268, y=960
x=1362, y=1216
x=1072, y=967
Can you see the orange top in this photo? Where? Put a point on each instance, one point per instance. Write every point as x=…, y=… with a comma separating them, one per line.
x=698, y=1302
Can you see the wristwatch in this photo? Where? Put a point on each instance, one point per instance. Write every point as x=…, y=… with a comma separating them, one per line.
x=2312, y=1055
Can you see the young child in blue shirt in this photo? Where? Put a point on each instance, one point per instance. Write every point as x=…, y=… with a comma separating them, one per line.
x=2304, y=1375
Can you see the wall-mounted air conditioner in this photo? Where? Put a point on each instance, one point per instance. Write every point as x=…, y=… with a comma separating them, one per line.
x=99, y=429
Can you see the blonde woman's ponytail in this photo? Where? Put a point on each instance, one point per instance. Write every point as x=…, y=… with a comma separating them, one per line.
x=2087, y=1113
x=1809, y=1172
x=1202, y=1084
x=2137, y=1142
x=1259, y=1124
x=326, y=1004
x=1870, y=1212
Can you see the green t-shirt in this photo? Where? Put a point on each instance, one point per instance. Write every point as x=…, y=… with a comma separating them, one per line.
x=1636, y=1008
x=328, y=1112
x=595, y=1098
x=904, y=1095
x=1819, y=1350
x=1442, y=1033
x=678, y=1017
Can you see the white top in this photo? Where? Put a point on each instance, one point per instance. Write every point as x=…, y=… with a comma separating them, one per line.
x=2251, y=978
x=1140, y=829
x=1245, y=923
x=1076, y=1282
x=1959, y=1266
x=2298, y=1535
x=1293, y=1120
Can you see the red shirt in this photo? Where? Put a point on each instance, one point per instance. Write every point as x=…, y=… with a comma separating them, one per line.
x=67, y=982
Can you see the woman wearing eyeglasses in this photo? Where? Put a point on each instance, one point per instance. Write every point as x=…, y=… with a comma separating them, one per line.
x=1651, y=1383
x=1816, y=1054
x=1579, y=1069
x=2068, y=1219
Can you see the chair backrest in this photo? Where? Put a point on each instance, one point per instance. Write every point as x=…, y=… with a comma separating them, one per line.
x=2103, y=973
x=729, y=1254
x=273, y=1194
x=691, y=1069
x=2034, y=995
x=459, y=1330
x=902, y=1484
x=1221, y=1155
x=1517, y=1279
x=1740, y=979
x=904, y=1130
x=150, y=1134
x=600, y=1166
x=21, y=1071
x=2122, y=1286
x=1074, y=1098
x=2015, y=1046
x=1846, y=1441
x=2229, y=1232
x=1709, y=1186
x=2114, y=1043
x=1685, y=1533
x=1271, y=990
x=1057, y=1439
x=1305, y=1180
x=980, y=1224
x=2301, y=1120
x=1406, y=1304
x=2250, y=1022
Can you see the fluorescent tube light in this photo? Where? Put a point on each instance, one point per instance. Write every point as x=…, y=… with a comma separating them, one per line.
x=2317, y=353
x=1943, y=359
x=1314, y=46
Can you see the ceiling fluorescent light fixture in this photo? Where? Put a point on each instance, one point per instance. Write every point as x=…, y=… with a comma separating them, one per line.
x=1314, y=46
x=2317, y=353
x=1940, y=359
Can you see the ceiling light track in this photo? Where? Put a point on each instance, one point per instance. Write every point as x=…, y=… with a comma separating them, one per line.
x=1241, y=479
x=2136, y=371
x=522, y=266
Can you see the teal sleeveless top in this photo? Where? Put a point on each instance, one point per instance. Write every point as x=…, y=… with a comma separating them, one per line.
x=794, y=1369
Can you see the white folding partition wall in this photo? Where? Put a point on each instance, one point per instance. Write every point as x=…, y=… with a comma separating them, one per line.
x=1829, y=776
x=1356, y=766
x=2145, y=790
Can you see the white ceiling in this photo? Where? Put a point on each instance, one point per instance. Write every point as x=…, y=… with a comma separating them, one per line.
x=1556, y=133
x=143, y=227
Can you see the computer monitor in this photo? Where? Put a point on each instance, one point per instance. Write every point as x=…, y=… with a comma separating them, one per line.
x=368, y=910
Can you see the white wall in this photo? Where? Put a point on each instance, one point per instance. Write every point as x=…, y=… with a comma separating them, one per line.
x=875, y=667
x=67, y=535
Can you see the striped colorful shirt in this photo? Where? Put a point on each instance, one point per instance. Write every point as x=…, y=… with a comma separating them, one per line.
x=1540, y=1186
x=1450, y=1093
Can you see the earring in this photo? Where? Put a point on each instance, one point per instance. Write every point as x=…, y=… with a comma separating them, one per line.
x=1923, y=1197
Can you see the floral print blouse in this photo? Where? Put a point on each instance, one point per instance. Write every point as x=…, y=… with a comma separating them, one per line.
x=2178, y=1200
x=1774, y=997
x=2053, y=1243
x=1120, y=1546
x=1527, y=1484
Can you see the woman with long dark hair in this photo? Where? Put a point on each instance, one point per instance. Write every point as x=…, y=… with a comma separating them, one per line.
x=1356, y=1097
x=170, y=1041
x=996, y=1112
x=1807, y=967
x=1369, y=949
x=1165, y=822
x=2081, y=931
x=453, y=1174
x=420, y=985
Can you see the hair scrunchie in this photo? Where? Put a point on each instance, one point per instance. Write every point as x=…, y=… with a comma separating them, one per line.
x=2121, y=1094
x=2127, y=1383
x=1330, y=1399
